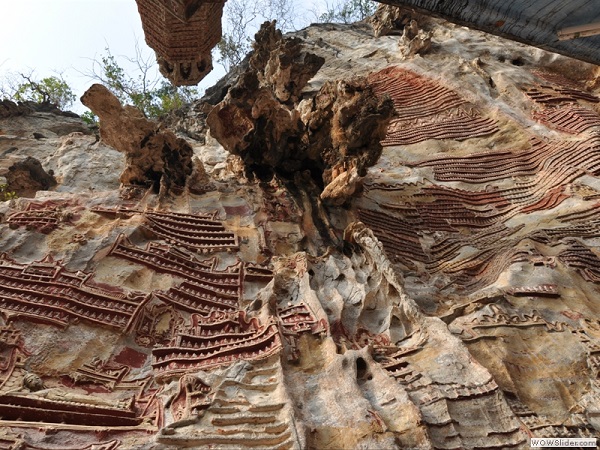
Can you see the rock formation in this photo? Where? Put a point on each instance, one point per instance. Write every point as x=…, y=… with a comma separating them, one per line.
x=334, y=134
x=154, y=156
x=406, y=257
x=27, y=176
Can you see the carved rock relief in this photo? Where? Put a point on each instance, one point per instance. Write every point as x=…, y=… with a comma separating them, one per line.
x=466, y=241
x=453, y=308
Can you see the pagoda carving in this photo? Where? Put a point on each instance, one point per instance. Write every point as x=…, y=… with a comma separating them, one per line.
x=182, y=33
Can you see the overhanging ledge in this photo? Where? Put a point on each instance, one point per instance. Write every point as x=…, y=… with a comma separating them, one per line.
x=533, y=22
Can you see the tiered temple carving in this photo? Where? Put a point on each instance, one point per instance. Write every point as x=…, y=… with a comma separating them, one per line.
x=193, y=396
x=43, y=217
x=555, y=88
x=425, y=109
x=494, y=316
x=171, y=260
x=541, y=178
x=13, y=441
x=57, y=406
x=439, y=401
x=98, y=372
x=216, y=340
x=557, y=104
x=196, y=232
x=583, y=259
x=182, y=33
x=401, y=241
x=246, y=411
x=46, y=292
x=298, y=319
x=568, y=118
x=193, y=232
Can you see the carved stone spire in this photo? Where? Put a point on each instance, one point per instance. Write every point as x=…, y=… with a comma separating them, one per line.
x=182, y=33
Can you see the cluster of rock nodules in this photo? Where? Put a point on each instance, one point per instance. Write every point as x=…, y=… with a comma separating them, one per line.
x=154, y=157
x=27, y=176
x=333, y=133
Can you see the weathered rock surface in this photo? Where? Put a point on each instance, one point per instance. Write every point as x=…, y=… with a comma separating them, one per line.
x=450, y=302
x=26, y=177
x=263, y=120
x=153, y=156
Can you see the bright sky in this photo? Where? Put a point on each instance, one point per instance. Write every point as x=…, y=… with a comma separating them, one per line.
x=50, y=36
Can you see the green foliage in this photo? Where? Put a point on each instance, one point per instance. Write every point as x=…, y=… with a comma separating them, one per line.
x=243, y=17
x=114, y=77
x=5, y=194
x=349, y=11
x=50, y=90
x=231, y=52
x=151, y=95
x=90, y=118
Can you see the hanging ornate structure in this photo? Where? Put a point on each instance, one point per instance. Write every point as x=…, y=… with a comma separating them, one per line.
x=182, y=33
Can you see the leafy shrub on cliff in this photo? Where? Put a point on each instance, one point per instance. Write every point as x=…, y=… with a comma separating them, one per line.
x=143, y=87
x=243, y=18
x=348, y=11
x=5, y=194
x=50, y=90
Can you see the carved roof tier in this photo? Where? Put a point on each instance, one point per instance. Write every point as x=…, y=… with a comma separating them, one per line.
x=182, y=33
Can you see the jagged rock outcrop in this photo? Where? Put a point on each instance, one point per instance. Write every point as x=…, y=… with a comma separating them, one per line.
x=263, y=120
x=154, y=156
x=27, y=176
x=414, y=40
x=392, y=20
x=9, y=108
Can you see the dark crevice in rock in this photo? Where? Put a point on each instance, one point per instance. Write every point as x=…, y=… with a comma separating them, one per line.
x=264, y=119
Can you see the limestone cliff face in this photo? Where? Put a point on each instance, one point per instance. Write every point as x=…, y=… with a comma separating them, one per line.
x=367, y=242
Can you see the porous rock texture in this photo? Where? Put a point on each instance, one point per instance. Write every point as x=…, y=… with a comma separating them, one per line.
x=153, y=156
x=449, y=301
x=27, y=176
x=333, y=133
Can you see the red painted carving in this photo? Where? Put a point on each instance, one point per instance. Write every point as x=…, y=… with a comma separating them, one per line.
x=542, y=290
x=414, y=95
x=9, y=441
x=43, y=217
x=584, y=260
x=167, y=259
x=399, y=238
x=183, y=34
x=425, y=109
x=296, y=320
x=219, y=339
x=43, y=408
x=255, y=272
x=195, y=233
x=568, y=118
x=99, y=372
x=563, y=87
x=199, y=297
x=278, y=204
x=148, y=331
x=45, y=291
x=198, y=232
x=192, y=397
